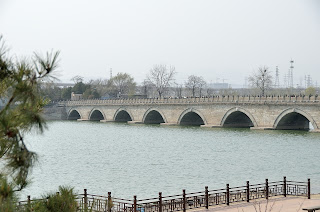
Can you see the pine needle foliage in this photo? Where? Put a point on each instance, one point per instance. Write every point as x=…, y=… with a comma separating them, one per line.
x=62, y=201
x=7, y=196
x=20, y=109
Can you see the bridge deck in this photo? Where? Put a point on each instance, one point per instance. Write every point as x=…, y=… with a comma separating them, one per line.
x=217, y=99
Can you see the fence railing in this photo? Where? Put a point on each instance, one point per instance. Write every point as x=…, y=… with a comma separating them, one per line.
x=186, y=201
x=191, y=100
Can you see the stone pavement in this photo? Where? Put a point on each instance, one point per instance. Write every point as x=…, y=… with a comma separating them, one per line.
x=279, y=204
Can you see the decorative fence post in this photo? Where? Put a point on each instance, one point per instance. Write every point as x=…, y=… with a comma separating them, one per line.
x=309, y=188
x=85, y=200
x=228, y=195
x=285, y=186
x=184, y=200
x=267, y=189
x=248, y=191
x=109, y=202
x=134, y=203
x=160, y=202
x=206, y=197
x=29, y=202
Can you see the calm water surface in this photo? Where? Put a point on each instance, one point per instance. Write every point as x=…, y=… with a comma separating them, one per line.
x=145, y=159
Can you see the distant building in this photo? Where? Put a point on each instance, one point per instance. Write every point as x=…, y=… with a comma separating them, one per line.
x=218, y=85
x=75, y=97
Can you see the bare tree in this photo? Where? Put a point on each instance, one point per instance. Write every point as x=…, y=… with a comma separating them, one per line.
x=262, y=79
x=161, y=77
x=100, y=85
x=195, y=82
x=178, y=90
x=77, y=79
x=146, y=88
x=202, y=84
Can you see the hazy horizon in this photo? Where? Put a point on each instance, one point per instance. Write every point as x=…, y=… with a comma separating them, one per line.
x=214, y=39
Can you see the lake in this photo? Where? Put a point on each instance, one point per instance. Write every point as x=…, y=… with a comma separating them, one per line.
x=143, y=160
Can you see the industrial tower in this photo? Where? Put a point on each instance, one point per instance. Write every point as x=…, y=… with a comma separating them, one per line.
x=290, y=77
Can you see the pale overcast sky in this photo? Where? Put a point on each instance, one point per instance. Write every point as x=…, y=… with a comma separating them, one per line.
x=225, y=39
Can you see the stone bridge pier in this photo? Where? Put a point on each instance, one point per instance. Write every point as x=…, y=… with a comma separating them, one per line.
x=276, y=113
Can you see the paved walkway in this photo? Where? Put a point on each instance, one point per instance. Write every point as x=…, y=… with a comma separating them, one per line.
x=280, y=204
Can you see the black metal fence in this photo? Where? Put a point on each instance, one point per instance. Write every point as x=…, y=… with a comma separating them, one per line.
x=186, y=201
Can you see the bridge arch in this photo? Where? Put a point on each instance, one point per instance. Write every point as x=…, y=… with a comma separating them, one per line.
x=122, y=115
x=238, y=117
x=96, y=115
x=74, y=114
x=153, y=116
x=294, y=119
x=192, y=117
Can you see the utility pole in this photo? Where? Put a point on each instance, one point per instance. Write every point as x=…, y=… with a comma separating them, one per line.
x=110, y=73
x=309, y=81
x=291, y=73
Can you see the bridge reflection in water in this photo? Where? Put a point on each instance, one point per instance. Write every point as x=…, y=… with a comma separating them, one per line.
x=277, y=113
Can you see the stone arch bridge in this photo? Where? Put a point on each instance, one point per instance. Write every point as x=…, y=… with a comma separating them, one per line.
x=298, y=113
